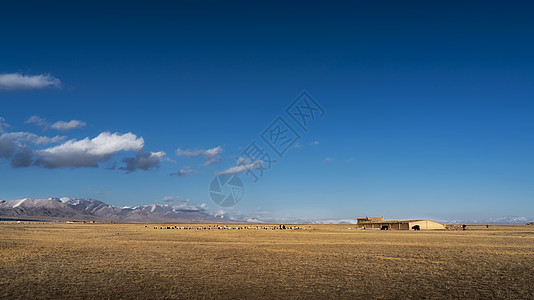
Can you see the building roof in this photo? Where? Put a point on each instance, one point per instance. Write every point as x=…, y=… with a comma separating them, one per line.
x=394, y=221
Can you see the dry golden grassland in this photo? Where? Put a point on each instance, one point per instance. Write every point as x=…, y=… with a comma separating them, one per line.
x=129, y=261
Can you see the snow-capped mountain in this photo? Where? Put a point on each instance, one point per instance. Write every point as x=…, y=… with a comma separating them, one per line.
x=28, y=207
x=92, y=209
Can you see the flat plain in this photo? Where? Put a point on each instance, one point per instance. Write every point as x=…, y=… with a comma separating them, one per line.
x=131, y=261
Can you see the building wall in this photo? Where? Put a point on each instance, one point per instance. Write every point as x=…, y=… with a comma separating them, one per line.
x=427, y=224
x=367, y=219
x=393, y=226
x=423, y=224
x=400, y=226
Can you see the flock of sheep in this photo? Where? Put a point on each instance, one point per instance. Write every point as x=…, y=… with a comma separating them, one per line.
x=224, y=227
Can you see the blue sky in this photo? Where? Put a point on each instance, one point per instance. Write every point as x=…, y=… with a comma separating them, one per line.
x=428, y=106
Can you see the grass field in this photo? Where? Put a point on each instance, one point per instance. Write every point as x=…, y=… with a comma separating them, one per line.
x=128, y=261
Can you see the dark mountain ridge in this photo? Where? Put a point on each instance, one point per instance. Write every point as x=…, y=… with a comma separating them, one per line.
x=62, y=209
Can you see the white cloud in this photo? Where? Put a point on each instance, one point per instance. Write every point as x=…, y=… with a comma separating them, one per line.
x=76, y=153
x=89, y=152
x=241, y=168
x=32, y=138
x=3, y=125
x=17, y=81
x=189, y=153
x=37, y=121
x=59, y=125
x=253, y=220
x=328, y=159
x=211, y=156
x=314, y=143
x=170, y=198
x=187, y=206
x=66, y=126
x=184, y=171
x=241, y=160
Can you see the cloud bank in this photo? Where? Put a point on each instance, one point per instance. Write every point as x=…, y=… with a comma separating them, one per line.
x=143, y=161
x=66, y=126
x=11, y=142
x=241, y=168
x=170, y=198
x=32, y=138
x=184, y=171
x=37, y=121
x=211, y=156
x=88, y=152
x=59, y=125
x=186, y=206
x=25, y=149
x=17, y=81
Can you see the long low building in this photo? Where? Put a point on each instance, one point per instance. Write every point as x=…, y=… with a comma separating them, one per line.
x=380, y=223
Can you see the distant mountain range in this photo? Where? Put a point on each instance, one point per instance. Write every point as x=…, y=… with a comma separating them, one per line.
x=62, y=209
x=512, y=220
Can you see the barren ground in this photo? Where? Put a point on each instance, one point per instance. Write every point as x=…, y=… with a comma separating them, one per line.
x=128, y=261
